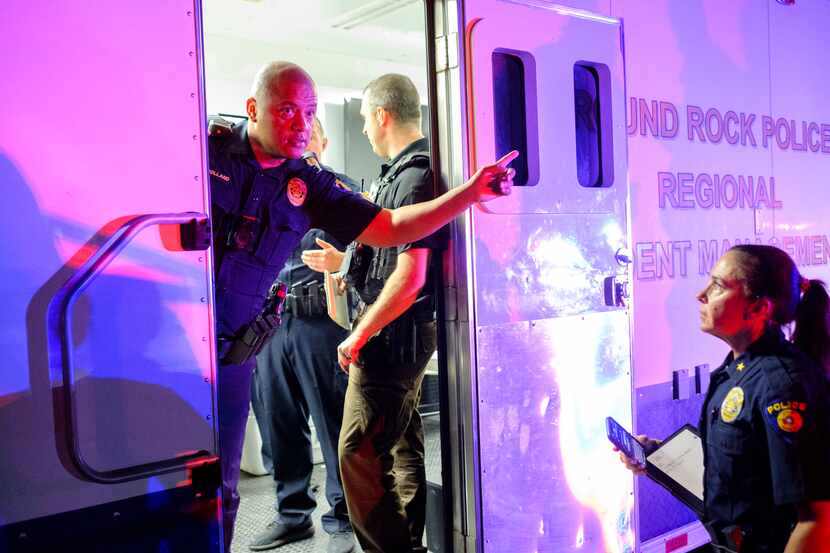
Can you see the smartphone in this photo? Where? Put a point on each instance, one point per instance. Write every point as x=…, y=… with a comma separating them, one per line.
x=625, y=442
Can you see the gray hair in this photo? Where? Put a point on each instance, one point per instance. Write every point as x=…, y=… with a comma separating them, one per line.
x=270, y=73
x=396, y=94
x=318, y=126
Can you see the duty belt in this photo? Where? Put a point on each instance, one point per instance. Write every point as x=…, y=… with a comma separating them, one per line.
x=306, y=300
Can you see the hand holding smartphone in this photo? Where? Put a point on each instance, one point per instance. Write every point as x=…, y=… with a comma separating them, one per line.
x=625, y=442
x=675, y=463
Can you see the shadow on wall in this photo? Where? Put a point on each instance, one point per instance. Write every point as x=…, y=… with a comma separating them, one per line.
x=134, y=406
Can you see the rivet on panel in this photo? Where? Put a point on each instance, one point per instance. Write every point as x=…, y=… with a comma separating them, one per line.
x=192, y=94
x=204, y=338
x=189, y=13
x=190, y=53
x=201, y=259
x=207, y=417
x=203, y=300
x=195, y=137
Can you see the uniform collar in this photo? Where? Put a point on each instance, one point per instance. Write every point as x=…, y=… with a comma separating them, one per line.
x=240, y=144
x=769, y=343
x=420, y=145
x=238, y=140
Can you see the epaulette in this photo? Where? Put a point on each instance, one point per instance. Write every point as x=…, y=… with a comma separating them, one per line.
x=779, y=373
x=219, y=126
x=414, y=159
x=312, y=160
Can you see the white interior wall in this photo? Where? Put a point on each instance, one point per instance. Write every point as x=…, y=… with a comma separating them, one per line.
x=343, y=44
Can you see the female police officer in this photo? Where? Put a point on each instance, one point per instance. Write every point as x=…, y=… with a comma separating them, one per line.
x=766, y=416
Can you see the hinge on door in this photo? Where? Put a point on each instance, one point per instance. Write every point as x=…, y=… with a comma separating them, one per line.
x=205, y=477
x=615, y=290
x=441, y=54
x=446, y=52
x=194, y=235
x=450, y=303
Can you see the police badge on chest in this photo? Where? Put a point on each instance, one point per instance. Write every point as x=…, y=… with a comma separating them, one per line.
x=296, y=190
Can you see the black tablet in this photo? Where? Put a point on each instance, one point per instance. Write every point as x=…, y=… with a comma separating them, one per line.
x=676, y=464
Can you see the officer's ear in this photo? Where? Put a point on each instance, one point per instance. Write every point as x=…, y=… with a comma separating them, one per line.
x=381, y=116
x=250, y=108
x=763, y=308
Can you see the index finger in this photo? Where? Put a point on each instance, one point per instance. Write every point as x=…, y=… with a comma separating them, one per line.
x=505, y=160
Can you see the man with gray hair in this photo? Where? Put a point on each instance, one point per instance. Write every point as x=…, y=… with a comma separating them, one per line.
x=264, y=197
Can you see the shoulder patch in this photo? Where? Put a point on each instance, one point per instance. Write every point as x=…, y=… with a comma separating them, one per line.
x=786, y=415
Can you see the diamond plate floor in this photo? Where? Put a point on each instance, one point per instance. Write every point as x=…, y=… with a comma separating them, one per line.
x=256, y=508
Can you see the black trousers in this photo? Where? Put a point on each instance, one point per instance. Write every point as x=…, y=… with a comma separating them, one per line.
x=297, y=376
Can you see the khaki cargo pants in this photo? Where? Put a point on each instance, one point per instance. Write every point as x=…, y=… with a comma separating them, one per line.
x=381, y=451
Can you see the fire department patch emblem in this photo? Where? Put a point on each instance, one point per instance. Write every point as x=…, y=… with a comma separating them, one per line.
x=296, y=191
x=790, y=420
x=787, y=415
x=732, y=405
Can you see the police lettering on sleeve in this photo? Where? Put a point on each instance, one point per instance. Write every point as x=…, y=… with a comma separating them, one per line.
x=791, y=431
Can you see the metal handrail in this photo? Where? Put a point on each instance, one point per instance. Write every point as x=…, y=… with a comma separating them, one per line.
x=59, y=340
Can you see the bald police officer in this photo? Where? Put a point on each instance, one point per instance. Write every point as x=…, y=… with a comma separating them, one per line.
x=264, y=199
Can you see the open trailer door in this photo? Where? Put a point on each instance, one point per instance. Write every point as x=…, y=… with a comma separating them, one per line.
x=547, y=279
x=106, y=393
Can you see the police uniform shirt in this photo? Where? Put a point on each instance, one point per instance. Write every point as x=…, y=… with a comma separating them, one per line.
x=765, y=424
x=413, y=185
x=297, y=273
x=286, y=210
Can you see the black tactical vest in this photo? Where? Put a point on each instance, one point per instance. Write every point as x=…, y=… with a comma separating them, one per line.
x=383, y=261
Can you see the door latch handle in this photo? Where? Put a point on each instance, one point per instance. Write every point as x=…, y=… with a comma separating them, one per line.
x=616, y=291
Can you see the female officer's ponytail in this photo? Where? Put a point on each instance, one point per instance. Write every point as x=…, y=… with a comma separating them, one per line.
x=768, y=272
x=812, y=335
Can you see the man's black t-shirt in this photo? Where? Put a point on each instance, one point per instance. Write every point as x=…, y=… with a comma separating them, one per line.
x=414, y=184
